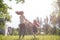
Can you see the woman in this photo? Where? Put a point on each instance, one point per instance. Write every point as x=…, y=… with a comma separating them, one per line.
x=22, y=27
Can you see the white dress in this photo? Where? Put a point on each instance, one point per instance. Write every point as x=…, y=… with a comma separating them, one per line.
x=22, y=19
x=22, y=29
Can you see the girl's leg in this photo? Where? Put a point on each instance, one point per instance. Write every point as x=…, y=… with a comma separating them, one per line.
x=19, y=37
x=23, y=35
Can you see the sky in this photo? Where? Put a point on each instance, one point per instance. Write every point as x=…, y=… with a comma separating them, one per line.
x=31, y=8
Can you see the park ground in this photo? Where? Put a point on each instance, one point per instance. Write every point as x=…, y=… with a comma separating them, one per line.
x=30, y=37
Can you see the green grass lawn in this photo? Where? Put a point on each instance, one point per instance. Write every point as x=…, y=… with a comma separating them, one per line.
x=30, y=37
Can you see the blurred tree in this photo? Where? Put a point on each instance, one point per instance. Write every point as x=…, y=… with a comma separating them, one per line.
x=46, y=26
x=4, y=14
x=58, y=18
x=53, y=20
x=14, y=31
x=17, y=1
x=58, y=3
x=46, y=20
x=40, y=21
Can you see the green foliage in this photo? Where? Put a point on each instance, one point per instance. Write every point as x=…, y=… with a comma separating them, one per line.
x=15, y=32
x=4, y=11
x=4, y=14
x=58, y=31
x=17, y=1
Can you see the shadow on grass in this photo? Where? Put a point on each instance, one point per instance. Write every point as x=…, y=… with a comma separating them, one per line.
x=34, y=39
x=27, y=39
